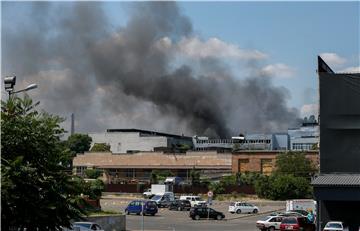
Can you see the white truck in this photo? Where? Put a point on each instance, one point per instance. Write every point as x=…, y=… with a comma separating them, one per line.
x=301, y=204
x=156, y=189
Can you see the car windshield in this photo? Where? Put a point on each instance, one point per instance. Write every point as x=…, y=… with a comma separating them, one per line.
x=197, y=198
x=156, y=197
x=85, y=225
x=289, y=220
x=265, y=218
x=333, y=225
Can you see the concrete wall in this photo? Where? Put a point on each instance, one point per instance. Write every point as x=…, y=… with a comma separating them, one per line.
x=131, y=141
x=110, y=223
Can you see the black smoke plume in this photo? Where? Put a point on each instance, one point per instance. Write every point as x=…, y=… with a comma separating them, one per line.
x=113, y=77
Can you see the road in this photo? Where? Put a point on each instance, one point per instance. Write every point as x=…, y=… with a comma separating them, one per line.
x=180, y=220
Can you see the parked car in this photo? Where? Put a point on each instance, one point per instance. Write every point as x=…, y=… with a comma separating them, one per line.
x=86, y=226
x=180, y=205
x=147, y=193
x=335, y=226
x=164, y=199
x=270, y=223
x=296, y=224
x=198, y=212
x=194, y=200
x=242, y=207
x=139, y=206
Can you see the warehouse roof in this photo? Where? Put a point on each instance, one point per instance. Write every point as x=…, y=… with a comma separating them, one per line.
x=351, y=180
x=152, y=133
x=152, y=160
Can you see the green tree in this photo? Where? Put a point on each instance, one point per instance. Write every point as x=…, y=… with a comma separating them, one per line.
x=79, y=143
x=36, y=192
x=100, y=147
x=283, y=187
x=294, y=163
x=195, y=176
x=92, y=173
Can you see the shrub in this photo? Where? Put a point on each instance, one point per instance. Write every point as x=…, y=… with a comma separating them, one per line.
x=92, y=173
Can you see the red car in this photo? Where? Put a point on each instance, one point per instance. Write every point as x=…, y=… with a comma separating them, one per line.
x=296, y=223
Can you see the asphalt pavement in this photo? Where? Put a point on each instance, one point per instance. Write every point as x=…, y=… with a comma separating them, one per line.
x=180, y=220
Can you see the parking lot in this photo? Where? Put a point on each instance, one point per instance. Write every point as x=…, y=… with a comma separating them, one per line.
x=180, y=220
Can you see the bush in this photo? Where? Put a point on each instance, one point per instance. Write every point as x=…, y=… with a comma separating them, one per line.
x=228, y=180
x=282, y=187
x=248, y=178
x=216, y=187
x=92, y=173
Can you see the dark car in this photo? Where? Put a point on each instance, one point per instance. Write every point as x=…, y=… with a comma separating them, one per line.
x=180, y=205
x=142, y=206
x=199, y=212
x=296, y=223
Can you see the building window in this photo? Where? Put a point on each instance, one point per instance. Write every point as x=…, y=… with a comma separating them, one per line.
x=129, y=173
x=80, y=170
x=266, y=166
x=243, y=165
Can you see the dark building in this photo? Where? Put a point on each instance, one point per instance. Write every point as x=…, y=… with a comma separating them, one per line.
x=337, y=188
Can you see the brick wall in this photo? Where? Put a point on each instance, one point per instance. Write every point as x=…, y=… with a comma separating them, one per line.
x=252, y=160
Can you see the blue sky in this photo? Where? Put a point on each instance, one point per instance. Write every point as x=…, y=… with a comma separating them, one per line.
x=290, y=33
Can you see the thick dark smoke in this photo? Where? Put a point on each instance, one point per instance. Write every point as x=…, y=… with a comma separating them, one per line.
x=130, y=76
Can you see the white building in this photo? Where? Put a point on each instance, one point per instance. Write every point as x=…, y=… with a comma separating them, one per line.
x=136, y=140
x=305, y=137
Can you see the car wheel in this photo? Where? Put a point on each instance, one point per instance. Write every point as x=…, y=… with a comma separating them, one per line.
x=238, y=211
x=255, y=211
x=197, y=217
x=179, y=209
x=218, y=217
x=153, y=214
x=272, y=228
x=127, y=212
x=137, y=213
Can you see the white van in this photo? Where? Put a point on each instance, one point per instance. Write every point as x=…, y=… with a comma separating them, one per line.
x=194, y=200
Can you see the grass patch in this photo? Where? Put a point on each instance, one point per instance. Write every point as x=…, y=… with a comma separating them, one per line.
x=103, y=213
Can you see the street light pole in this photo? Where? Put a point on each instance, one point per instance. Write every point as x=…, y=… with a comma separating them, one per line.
x=9, y=83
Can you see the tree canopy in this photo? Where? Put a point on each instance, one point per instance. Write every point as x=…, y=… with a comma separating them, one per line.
x=79, y=143
x=36, y=191
x=294, y=163
x=100, y=147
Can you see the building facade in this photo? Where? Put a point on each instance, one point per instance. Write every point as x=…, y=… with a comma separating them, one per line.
x=262, y=161
x=337, y=188
x=276, y=141
x=305, y=137
x=138, y=166
x=136, y=140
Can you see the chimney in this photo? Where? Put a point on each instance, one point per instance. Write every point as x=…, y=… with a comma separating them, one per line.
x=72, y=124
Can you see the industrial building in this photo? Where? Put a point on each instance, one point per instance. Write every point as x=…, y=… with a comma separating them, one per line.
x=305, y=137
x=138, y=166
x=276, y=141
x=136, y=140
x=337, y=188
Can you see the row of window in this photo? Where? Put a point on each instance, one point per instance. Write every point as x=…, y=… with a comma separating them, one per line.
x=302, y=146
x=267, y=141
